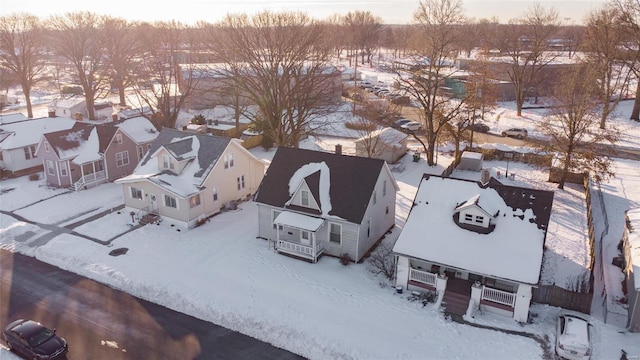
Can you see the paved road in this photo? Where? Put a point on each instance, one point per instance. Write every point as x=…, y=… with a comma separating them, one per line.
x=102, y=323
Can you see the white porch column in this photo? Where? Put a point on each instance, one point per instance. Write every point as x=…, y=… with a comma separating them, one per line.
x=313, y=244
x=523, y=300
x=441, y=286
x=476, y=296
x=402, y=272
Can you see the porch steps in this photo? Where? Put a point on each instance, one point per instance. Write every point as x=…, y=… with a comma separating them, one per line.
x=149, y=218
x=455, y=303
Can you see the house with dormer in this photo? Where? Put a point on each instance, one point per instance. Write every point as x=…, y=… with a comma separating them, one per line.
x=312, y=203
x=87, y=154
x=187, y=177
x=479, y=247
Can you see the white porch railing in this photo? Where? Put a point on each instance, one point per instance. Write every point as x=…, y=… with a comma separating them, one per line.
x=90, y=180
x=498, y=296
x=297, y=249
x=424, y=277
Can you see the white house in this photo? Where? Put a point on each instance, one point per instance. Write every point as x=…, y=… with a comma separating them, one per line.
x=312, y=203
x=19, y=141
x=479, y=247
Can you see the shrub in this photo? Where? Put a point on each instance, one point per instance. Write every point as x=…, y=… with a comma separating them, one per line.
x=382, y=260
x=365, y=126
x=345, y=259
x=199, y=120
x=34, y=177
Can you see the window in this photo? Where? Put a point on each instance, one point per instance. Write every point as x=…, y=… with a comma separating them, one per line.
x=1, y=158
x=304, y=236
x=335, y=233
x=46, y=147
x=194, y=201
x=170, y=201
x=140, y=152
x=118, y=138
x=63, y=170
x=51, y=169
x=30, y=152
x=167, y=163
x=241, y=182
x=228, y=161
x=136, y=193
x=479, y=219
x=215, y=194
x=386, y=210
x=384, y=188
x=468, y=217
x=122, y=158
x=368, y=227
x=275, y=214
x=304, y=198
x=373, y=196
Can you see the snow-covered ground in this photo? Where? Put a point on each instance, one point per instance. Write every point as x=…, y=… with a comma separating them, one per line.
x=331, y=311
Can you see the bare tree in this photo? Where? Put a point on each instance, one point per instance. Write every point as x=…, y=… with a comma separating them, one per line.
x=364, y=29
x=280, y=63
x=78, y=38
x=524, y=47
x=603, y=43
x=21, y=52
x=122, y=50
x=629, y=18
x=167, y=63
x=437, y=23
x=572, y=125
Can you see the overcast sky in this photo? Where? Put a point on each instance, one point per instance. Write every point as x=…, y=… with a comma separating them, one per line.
x=190, y=11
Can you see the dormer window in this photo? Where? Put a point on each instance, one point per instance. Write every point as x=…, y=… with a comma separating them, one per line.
x=475, y=216
x=118, y=138
x=167, y=163
x=304, y=198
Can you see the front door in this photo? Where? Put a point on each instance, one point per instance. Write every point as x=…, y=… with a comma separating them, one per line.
x=153, y=206
x=305, y=237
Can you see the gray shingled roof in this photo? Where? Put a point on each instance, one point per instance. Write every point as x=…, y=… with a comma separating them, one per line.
x=211, y=147
x=352, y=181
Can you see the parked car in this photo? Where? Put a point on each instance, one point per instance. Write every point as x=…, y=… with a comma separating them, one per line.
x=32, y=340
x=573, y=335
x=398, y=123
x=515, y=132
x=412, y=126
x=479, y=127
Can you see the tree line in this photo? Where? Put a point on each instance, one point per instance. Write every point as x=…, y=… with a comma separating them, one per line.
x=274, y=67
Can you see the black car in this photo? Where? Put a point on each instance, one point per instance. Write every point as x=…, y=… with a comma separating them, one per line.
x=33, y=340
x=479, y=127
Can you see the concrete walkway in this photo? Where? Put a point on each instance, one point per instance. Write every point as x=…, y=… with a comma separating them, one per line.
x=56, y=229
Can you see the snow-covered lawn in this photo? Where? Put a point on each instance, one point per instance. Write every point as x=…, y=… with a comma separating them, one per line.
x=222, y=273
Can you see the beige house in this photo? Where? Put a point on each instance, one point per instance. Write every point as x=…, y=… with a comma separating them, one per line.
x=186, y=178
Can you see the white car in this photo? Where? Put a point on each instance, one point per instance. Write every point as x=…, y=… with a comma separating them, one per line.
x=412, y=126
x=573, y=335
x=518, y=133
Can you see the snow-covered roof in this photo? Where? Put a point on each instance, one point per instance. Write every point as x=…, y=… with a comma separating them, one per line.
x=139, y=129
x=28, y=132
x=67, y=103
x=299, y=221
x=388, y=136
x=634, y=243
x=471, y=155
x=200, y=151
x=11, y=118
x=513, y=250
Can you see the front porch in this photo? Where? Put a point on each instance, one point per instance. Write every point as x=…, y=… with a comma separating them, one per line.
x=463, y=293
x=91, y=174
x=308, y=252
x=297, y=235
